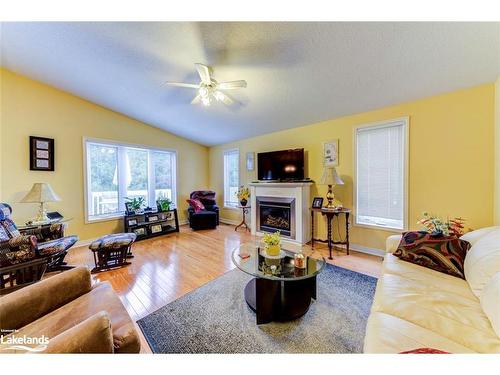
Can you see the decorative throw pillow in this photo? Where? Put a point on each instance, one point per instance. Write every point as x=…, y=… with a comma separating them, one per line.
x=424, y=351
x=437, y=252
x=196, y=204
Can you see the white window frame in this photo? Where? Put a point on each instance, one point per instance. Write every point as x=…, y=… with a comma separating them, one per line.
x=226, y=193
x=405, y=121
x=109, y=142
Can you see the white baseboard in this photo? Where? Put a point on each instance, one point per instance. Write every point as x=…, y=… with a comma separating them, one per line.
x=230, y=222
x=364, y=249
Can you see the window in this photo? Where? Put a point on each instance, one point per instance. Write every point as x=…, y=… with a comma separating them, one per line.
x=231, y=177
x=116, y=171
x=381, y=174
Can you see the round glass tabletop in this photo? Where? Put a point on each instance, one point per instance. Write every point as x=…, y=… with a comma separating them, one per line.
x=251, y=258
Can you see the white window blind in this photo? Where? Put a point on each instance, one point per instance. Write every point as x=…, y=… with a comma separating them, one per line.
x=231, y=177
x=117, y=171
x=381, y=175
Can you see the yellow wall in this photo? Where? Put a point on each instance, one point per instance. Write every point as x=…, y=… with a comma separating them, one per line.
x=32, y=108
x=451, y=157
x=497, y=152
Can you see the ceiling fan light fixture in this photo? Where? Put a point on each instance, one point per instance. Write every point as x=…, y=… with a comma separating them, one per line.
x=205, y=100
x=219, y=96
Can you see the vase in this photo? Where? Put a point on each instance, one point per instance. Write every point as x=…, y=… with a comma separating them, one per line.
x=243, y=202
x=273, y=250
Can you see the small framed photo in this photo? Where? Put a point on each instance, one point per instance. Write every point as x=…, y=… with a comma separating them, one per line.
x=169, y=215
x=128, y=208
x=153, y=218
x=132, y=222
x=140, y=231
x=250, y=161
x=41, y=154
x=317, y=202
x=156, y=228
x=331, y=153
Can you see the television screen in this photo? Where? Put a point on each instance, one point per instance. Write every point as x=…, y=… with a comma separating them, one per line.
x=281, y=165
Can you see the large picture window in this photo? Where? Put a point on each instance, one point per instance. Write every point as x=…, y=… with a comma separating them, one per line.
x=231, y=177
x=117, y=171
x=381, y=174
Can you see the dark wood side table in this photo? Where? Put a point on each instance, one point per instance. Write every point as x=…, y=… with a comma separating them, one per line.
x=330, y=215
x=244, y=211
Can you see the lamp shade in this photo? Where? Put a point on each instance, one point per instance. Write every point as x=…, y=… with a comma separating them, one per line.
x=40, y=192
x=330, y=177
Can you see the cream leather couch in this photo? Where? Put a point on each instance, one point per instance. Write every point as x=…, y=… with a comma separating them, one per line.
x=416, y=307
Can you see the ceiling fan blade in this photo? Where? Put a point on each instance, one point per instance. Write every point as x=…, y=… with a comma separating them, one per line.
x=196, y=99
x=180, y=84
x=232, y=85
x=204, y=72
x=224, y=98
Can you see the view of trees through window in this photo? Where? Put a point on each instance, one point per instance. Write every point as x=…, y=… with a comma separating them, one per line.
x=116, y=172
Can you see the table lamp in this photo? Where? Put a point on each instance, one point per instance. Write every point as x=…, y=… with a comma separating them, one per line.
x=41, y=193
x=331, y=178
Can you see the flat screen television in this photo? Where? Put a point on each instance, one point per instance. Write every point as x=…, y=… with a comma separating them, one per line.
x=284, y=165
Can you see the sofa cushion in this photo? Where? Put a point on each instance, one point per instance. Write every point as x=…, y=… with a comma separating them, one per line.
x=490, y=302
x=100, y=298
x=441, y=253
x=389, y=334
x=483, y=261
x=475, y=235
x=444, y=311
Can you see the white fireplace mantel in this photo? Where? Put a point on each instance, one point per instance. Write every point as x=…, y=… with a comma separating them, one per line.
x=300, y=191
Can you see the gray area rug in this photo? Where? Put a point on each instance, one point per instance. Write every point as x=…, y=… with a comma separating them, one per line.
x=216, y=319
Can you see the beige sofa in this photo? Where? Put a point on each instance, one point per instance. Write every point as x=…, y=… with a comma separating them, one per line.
x=416, y=307
x=75, y=316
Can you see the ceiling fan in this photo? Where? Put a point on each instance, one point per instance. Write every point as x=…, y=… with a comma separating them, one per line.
x=209, y=89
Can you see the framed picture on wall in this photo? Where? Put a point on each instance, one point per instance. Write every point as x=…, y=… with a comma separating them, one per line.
x=250, y=161
x=331, y=153
x=41, y=154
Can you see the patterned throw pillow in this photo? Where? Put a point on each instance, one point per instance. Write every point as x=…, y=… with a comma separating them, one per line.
x=196, y=204
x=437, y=252
x=424, y=351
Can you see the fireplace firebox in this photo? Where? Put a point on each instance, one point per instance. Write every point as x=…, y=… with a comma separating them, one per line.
x=274, y=213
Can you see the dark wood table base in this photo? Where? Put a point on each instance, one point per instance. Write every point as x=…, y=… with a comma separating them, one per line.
x=244, y=210
x=279, y=300
x=330, y=215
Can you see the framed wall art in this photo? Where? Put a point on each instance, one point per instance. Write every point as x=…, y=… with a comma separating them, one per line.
x=41, y=154
x=331, y=153
x=250, y=161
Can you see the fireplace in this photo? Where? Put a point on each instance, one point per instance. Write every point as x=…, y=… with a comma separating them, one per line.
x=275, y=213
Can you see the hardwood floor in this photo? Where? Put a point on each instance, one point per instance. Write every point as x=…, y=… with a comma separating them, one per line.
x=165, y=268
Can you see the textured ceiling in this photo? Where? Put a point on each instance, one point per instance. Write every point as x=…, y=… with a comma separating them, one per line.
x=297, y=73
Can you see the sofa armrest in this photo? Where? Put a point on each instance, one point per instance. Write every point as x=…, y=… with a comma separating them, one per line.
x=392, y=243
x=93, y=335
x=24, y=306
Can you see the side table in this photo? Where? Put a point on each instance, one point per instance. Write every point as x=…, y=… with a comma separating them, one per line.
x=330, y=215
x=244, y=211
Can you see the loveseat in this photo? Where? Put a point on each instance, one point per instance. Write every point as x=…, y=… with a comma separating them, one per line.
x=75, y=316
x=416, y=307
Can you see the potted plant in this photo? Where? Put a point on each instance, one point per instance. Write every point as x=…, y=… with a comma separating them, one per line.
x=272, y=242
x=243, y=195
x=134, y=204
x=163, y=203
x=440, y=227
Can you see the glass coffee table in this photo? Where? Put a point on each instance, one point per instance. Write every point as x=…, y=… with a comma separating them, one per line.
x=279, y=291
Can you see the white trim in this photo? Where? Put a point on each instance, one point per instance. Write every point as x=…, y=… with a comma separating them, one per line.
x=224, y=153
x=363, y=249
x=229, y=221
x=129, y=145
x=384, y=124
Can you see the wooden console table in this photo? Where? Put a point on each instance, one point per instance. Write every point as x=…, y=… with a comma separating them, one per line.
x=330, y=214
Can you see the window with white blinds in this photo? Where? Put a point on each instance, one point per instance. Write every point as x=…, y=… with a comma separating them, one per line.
x=231, y=177
x=381, y=174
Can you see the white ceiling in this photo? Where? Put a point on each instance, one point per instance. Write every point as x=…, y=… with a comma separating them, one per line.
x=297, y=73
